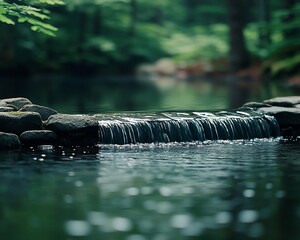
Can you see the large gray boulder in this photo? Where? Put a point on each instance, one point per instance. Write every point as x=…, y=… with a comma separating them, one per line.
x=9, y=141
x=284, y=101
x=286, y=116
x=38, y=137
x=18, y=102
x=74, y=129
x=18, y=122
x=45, y=112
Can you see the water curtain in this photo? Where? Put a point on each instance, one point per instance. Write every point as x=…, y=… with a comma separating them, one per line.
x=186, y=127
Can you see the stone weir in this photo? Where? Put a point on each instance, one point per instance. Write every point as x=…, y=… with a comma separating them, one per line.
x=23, y=123
x=185, y=127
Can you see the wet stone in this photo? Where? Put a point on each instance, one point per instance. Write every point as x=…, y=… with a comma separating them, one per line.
x=74, y=129
x=45, y=112
x=256, y=105
x=285, y=116
x=38, y=137
x=18, y=122
x=6, y=109
x=9, y=141
x=284, y=101
x=18, y=102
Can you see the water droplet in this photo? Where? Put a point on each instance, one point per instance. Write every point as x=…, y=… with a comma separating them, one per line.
x=223, y=217
x=249, y=193
x=41, y=159
x=78, y=183
x=248, y=216
x=34, y=158
x=165, y=191
x=77, y=228
x=71, y=157
x=121, y=224
x=187, y=190
x=180, y=220
x=43, y=155
x=132, y=191
x=71, y=174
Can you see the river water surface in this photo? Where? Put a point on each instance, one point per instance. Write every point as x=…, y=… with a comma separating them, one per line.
x=211, y=190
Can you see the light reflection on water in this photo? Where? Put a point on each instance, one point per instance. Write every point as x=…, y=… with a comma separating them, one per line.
x=213, y=190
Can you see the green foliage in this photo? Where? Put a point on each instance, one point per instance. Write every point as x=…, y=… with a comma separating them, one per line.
x=284, y=54
x=202, y=44
x=10, y=13
x=117, y=35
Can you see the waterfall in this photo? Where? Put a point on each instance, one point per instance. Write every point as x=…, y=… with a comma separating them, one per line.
x=185, y=127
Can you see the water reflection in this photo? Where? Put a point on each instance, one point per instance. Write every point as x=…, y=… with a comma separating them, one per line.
x=86, y=94
x=213, y=190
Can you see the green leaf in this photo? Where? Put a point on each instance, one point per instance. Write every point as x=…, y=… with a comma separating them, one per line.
x=7, y=20
x=52, y=2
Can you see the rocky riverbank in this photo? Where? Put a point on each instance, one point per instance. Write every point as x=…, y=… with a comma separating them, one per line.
x=286, y=110
x=23, y=123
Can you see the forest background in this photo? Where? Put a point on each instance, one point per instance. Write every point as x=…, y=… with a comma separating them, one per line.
x=86, y=51
x=113, y=37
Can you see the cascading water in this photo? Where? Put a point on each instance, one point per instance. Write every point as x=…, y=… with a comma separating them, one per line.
x=185, y=127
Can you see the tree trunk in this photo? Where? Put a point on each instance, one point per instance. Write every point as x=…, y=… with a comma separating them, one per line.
x=264, y=31
x=97, y=26
x=288, y=6
x=238, y=57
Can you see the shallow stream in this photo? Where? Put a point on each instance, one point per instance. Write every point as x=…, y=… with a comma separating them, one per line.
x=246, y=189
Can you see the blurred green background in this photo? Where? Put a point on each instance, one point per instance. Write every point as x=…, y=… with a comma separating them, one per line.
x=134, y=55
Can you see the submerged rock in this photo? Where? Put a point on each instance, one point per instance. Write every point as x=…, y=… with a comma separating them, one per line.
x=38, y=137
x=45, y=112
x=18, y=122
x=74, y=129
x=18, y=102
x=284, y=101
x=9, y=141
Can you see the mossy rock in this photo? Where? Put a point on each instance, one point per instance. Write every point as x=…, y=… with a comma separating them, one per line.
x=45, y=112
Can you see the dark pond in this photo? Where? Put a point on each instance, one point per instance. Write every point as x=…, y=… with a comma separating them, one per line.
x=211, y=190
